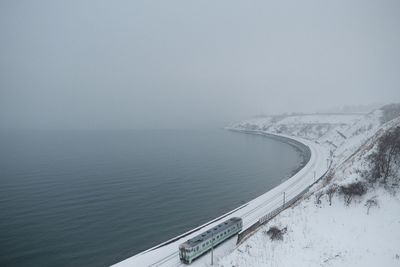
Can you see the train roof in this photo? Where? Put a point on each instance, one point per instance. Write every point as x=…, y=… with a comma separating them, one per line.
x=213, y=231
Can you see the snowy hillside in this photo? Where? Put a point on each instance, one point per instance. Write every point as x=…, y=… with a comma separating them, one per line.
x=319, y=232
x=341, y=133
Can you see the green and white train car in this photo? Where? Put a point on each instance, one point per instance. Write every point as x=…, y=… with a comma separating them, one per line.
x=200, y=244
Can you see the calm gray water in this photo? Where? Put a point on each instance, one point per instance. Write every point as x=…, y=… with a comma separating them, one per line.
x=93, y=198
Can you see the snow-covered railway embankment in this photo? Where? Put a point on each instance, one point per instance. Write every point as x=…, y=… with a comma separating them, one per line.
x=254, y=213
x=292, y=195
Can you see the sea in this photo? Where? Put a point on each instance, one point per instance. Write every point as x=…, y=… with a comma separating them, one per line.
x=96, y=197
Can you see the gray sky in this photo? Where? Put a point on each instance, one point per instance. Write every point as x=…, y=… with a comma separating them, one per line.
x=178, y=64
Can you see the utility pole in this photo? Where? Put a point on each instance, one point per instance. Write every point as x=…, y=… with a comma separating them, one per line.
x=212, y=246
x=283, y=198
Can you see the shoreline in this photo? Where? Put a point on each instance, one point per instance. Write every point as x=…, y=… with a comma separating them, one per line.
x=302, y=149
x=166, y=253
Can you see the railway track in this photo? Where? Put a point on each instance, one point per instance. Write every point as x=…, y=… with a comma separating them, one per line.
x=291, y=189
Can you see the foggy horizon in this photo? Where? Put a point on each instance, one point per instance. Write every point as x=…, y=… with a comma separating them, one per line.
x=180, y=64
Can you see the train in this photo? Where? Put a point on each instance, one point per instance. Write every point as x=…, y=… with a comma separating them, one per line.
x=200, y=244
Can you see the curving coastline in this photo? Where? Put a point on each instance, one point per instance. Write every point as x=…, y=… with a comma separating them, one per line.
x=303, y=150
x=166, y=253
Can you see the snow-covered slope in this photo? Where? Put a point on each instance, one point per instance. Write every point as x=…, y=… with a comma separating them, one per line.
x=320, y=234
x=341, y=133
x=323, y=235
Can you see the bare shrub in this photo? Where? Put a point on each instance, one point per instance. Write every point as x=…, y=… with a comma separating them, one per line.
x=372, y=202
x=275, y=233
x=386, y=160
x=318, y=196
x=351, y=190
x=330, y=192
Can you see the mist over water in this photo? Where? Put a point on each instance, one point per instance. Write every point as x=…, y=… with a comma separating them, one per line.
x=92, y=198
x=180, y=64
x=83, y=192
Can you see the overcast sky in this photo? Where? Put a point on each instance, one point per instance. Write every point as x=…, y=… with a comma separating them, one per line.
x=185, y=64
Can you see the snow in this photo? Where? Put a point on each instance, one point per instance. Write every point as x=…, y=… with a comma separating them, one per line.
x=167, y=255
x=336, y=235
x=318, y=234
x=323, y=235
